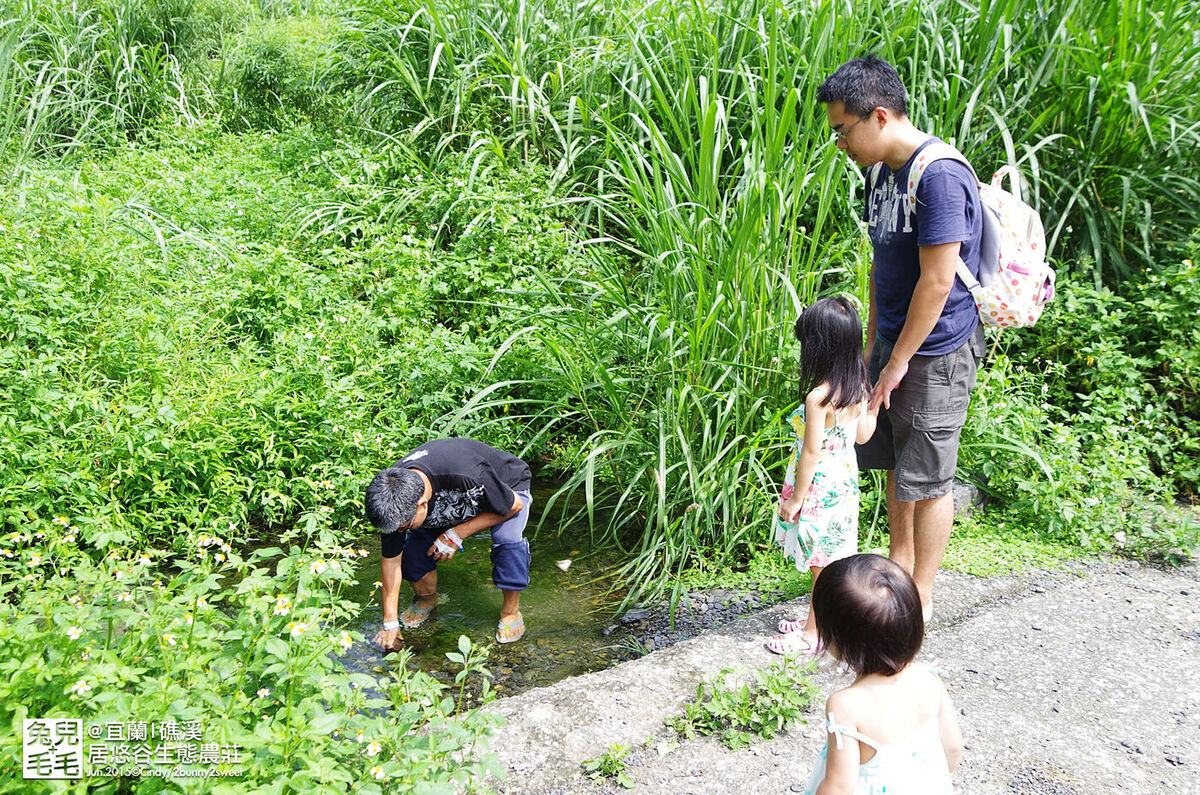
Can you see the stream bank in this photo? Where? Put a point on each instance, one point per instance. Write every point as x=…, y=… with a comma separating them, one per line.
x=1071, y=682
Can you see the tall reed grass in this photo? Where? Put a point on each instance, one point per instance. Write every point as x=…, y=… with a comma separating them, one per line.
x=77, y=76
x=689, y=136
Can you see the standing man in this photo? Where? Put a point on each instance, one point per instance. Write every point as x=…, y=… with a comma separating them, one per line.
x=924, y=341
x=426, y=504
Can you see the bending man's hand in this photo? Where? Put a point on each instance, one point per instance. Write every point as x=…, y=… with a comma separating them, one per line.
x=889, y=378
x=445, y=545
x=388, y=639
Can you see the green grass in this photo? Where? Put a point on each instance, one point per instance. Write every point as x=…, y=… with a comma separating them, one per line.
x=990, y=545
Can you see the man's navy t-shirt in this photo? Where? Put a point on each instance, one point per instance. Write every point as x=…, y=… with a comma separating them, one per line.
x=948, y=211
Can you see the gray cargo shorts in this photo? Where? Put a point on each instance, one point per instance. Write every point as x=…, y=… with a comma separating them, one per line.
x=918, y=436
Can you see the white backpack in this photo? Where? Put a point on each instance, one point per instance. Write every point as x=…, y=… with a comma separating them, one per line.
x=1015, y=281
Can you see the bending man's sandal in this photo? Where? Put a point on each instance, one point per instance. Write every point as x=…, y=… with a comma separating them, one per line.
x=514, y=628
x=415, y=615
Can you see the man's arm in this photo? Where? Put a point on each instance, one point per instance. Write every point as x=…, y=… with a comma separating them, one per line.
x=472, y=526
x=390, y=579
x=938, y=265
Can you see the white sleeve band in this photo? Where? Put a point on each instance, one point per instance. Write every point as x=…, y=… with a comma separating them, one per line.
x=453, y=536
x=391, y=625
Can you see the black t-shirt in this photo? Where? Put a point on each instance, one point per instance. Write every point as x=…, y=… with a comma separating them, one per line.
x=468, y=478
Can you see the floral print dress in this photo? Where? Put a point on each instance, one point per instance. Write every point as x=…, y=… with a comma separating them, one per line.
x=827, y=527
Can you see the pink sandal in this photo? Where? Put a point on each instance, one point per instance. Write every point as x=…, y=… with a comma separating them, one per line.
x=790, y=643
x=789, y=625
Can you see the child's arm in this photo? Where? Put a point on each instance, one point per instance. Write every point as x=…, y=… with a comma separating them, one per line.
x=866, y=424
x=841, y=763
x=952, y=740
x=815, y=416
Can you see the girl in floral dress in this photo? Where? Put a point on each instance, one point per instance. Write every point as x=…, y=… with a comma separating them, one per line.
x=817, y=521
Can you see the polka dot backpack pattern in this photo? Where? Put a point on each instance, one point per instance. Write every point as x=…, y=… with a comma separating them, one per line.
x=1015, y=281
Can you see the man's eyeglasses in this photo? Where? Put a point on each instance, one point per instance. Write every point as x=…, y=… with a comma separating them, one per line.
x=841, y=134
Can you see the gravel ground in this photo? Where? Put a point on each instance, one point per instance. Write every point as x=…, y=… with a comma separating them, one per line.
x=1078, y=681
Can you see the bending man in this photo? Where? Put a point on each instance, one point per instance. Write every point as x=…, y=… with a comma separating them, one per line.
x=426, y=504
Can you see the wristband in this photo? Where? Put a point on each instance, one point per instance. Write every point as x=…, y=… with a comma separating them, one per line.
x=453, y=536
x=391, y=625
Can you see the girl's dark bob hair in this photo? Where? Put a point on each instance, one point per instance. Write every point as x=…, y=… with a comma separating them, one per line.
x=868, y=614
x=831, y=339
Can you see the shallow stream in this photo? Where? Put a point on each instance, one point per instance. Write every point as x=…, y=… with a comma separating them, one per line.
x=565, y=612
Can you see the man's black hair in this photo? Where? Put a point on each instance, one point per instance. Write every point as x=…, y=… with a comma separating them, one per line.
x=864, y=84
x=391, y=499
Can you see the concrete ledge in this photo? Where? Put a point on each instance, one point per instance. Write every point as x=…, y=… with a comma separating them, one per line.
x=551, y=730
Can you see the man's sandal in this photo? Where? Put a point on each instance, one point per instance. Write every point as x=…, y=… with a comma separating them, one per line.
x=514, y=628
x=792, y=643
x=415, y=615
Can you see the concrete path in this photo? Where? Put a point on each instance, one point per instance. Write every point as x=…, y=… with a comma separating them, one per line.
x=1085, y=680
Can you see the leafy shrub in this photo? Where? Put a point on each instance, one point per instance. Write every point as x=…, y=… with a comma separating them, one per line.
x=247, y=646
x=276, y=72
x=1130, y=361
x=1088, y=483
x=737, y=710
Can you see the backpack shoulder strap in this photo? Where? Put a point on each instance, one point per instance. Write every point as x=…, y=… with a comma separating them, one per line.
x=938, y=150
x=873, y=176
x=935, y=151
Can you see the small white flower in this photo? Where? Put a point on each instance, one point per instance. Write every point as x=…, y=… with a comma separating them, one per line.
x=377, y=771
x=125, y=597
x=263, y=692
x=297, y=628
x=144, y=561
x=169, y=639
x=318, y=566
x=74, y=633
x=69, y=538
x=283, y=606
x=80, y=688
x=345, y=641
x=35, y=559
x=373, y=749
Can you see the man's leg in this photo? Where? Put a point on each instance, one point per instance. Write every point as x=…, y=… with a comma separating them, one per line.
x=425, y=590
x=933, y=521
x=900, y=527
x=420, y=572
x=510, y=610
x=510, y=570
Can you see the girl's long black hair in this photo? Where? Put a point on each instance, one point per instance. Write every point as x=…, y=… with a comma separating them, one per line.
x=830, y=336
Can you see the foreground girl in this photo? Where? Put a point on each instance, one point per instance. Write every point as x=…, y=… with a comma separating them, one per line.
x=893, y=731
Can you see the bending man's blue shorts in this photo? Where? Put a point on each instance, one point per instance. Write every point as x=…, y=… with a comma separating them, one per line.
x=510, y=551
